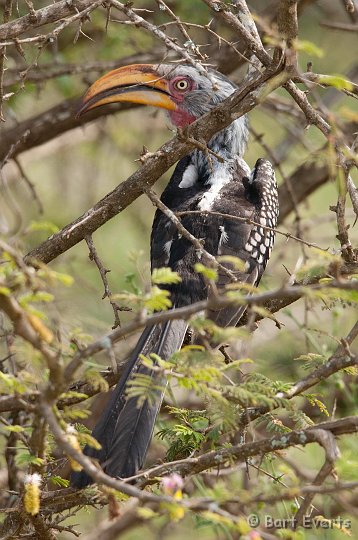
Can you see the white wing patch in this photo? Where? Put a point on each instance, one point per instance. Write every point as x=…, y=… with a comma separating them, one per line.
x=167, y=247
x=224, y=237
x=217, y=181
x=190, y=177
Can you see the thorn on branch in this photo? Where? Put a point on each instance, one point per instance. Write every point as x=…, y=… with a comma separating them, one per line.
x=32, y=12
x=349, y=5
x=146, y=154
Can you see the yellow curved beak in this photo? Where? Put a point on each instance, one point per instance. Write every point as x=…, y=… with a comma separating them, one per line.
x=137, y=83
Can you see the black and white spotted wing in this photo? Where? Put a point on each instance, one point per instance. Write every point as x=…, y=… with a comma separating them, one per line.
x=253, y=198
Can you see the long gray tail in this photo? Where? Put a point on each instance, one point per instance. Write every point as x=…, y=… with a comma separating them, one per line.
x=125, y=428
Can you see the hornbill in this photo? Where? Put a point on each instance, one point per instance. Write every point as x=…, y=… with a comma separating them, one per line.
x=213, y=189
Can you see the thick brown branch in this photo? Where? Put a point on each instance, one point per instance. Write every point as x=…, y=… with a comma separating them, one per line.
x=40, y=17
x=257, y=48
x=210, y=460
x=288, y=27
x=274, y=301
x=48, y=125
x=242, y=452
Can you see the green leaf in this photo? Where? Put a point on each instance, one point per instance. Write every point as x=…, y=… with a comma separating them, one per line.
x=236, y=364
x=144, y=388
x=165, y=276
x=45, y=226
x=265, y=313
x=146, y=513
x=337, y=81
x=72, y=394
x=310, y=357
x=308, y=47
x=86, y=438
x=38, y=296
x=130, y=279
x=65, y=279
x=236, y=262
x=74, y=413
x=183, y=439
x=217, y=333
x=13, y=429
x=52, y=275
x=158, y=300
x=10, y=384
x=25, y=458
x=94, y=378
x=318, y=403
x=5, y=291
x=208, y=273
x=333, y=293
x=59, y=481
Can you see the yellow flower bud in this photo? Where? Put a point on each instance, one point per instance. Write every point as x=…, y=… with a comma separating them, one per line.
x=72, y=439
x=172, y=485
x=177, y=512
x=178, y=495
x=32, y=493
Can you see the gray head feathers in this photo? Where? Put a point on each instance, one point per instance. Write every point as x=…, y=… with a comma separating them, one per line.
x=208, y=92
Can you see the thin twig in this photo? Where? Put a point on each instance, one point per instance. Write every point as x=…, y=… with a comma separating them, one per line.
x=252, y=222
x=346, y=27
x=6, y=18
x=93, y=255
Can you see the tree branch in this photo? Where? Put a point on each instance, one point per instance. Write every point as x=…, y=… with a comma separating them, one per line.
x=40, y=17
x=242, y=452
x=339, y=360
x=48, y=125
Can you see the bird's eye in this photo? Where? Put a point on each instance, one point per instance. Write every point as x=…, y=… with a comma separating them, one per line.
x=181, y=85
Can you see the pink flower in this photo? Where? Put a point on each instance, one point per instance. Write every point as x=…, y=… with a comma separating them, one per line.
x=172, y=483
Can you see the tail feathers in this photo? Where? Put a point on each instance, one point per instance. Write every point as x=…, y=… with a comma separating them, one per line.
x=134, y=426
x=126, y=426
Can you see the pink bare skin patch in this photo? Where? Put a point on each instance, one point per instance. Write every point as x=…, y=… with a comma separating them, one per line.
x=181, y=118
